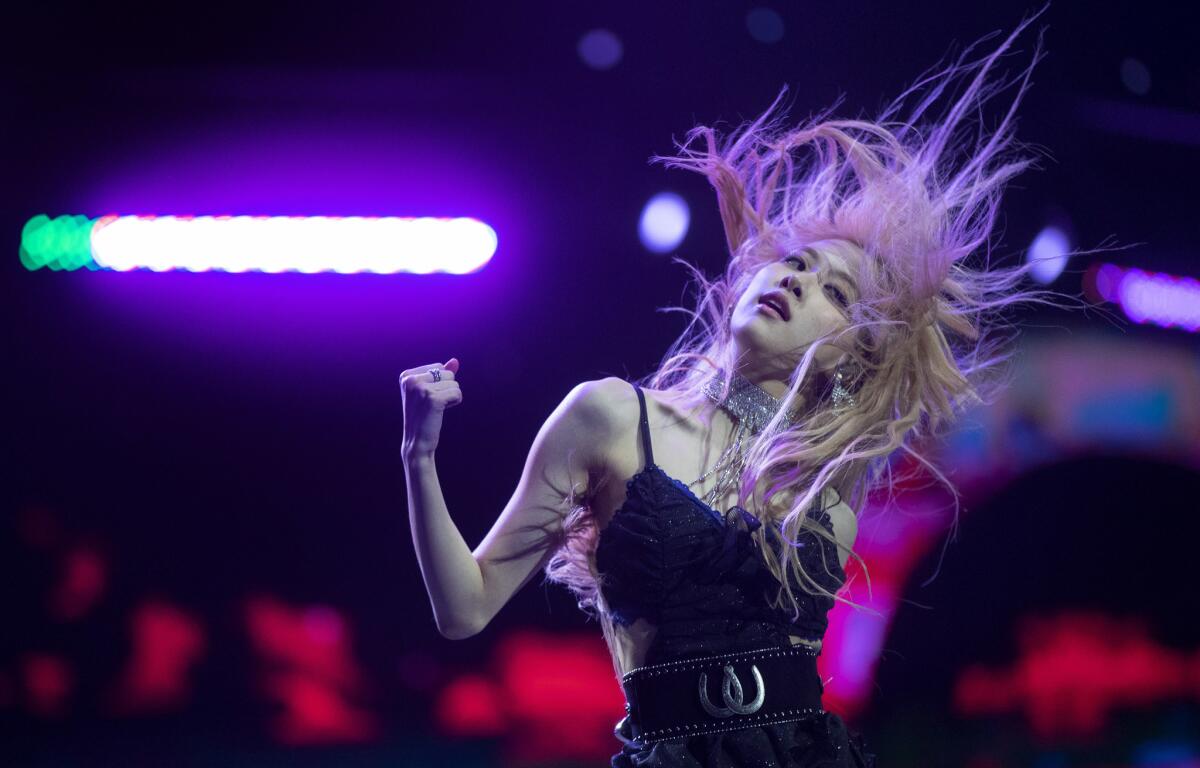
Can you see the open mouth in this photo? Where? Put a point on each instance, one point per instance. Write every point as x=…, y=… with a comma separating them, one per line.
x=773, y=307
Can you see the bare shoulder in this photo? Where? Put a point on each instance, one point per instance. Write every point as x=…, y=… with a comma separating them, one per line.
x=598, y=413
x=618, y=398
x=599, y=401
x=614, y=403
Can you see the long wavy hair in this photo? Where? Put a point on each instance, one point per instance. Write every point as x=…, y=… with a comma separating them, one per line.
x=924, y=338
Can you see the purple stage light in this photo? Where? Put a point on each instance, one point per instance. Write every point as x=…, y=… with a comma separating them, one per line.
x=1161, y=299
x=1108, y=281
x=1151, y=297
x=306, y=244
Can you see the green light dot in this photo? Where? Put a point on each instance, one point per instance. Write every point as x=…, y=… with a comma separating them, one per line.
x=61, y=243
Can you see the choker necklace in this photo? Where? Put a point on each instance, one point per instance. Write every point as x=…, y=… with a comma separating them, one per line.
x=752, y=408
x=751, y=405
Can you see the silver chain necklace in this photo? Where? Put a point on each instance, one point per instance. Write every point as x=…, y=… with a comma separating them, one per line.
x=752, y=408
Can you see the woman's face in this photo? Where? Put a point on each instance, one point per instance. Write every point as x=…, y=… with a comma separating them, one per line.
x=815, y=283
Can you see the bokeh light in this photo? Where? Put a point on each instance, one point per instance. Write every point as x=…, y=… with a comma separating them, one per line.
x=1135, y=76
x=1048, y=252
x=764, y=25
x=600, y=49
x=61, y=243
x=664, y=222
x=1161, y=299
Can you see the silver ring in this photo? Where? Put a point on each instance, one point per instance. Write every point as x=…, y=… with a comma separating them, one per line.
x=437, y=375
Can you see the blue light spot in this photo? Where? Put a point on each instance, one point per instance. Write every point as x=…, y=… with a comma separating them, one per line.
x=664, y=222
x=1135, y=76
x=1048, y=254
x=600, y=49
x=1140, y=416
x=765, y=25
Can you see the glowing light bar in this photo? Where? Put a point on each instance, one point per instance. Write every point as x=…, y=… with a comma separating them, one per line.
x=1151, y=297
x=305, y=244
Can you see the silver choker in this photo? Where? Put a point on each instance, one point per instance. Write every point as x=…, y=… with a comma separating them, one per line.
x=750, y=404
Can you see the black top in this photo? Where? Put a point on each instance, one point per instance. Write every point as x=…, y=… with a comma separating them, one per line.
x=698, y=575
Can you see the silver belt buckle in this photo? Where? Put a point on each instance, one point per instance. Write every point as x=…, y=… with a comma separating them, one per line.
x=731, y=692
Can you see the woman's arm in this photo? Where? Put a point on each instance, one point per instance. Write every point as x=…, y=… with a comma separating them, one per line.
x=467, y=589
x=451, y=574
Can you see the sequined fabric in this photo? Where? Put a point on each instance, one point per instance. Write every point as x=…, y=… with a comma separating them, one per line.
x=699, y=578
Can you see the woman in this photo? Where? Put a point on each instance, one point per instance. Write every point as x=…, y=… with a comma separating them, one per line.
x=847, y=326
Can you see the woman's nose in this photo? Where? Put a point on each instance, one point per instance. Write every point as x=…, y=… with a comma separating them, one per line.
x=791, y=283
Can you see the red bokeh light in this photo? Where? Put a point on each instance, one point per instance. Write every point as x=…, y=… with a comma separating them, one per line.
x=48, y=682
x=1074, y=671
x=310, y=670
x=167, y=643
x=81, y=584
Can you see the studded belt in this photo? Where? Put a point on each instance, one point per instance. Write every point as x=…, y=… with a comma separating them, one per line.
x=712, y=694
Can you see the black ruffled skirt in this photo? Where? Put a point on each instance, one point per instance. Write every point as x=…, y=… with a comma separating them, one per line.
x=816, y=742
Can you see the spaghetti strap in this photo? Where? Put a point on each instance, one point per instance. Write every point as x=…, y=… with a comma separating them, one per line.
x=644, y=427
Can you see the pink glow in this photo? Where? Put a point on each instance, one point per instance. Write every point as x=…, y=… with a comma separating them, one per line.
x=49, y=681
x=1075, y=672
x=309, y=668
x=167, y=643
x=83, y=579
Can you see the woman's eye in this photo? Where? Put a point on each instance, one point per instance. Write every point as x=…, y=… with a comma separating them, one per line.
x=799, y=260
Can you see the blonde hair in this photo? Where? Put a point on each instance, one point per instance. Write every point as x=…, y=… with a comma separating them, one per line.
x=920, y=331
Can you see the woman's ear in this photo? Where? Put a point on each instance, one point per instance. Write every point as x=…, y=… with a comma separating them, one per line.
x=829, y=373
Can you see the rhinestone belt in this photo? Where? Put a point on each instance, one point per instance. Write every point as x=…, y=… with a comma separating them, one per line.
x=713, y=694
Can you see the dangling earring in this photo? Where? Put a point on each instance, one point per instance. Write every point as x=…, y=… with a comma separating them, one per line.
x=841, y=396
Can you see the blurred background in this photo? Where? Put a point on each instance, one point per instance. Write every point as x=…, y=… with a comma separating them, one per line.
x=205, y=556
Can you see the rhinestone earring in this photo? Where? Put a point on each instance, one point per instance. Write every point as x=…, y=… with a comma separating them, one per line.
x=841, y=396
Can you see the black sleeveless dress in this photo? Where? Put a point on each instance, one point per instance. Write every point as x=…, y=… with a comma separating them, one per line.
x=698, y=577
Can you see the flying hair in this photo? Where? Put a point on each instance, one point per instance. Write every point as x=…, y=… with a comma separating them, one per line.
x=915, y=201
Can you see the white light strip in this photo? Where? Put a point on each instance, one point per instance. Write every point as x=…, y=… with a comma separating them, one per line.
x=300, y=243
